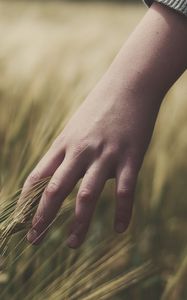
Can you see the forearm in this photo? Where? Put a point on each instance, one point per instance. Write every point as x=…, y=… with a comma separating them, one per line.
x=155, y=55
x=109, y=134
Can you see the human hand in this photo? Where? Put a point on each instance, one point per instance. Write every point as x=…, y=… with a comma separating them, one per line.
x=108, y=135
x=106, y=138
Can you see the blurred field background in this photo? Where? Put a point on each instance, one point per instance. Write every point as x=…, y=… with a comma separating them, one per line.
x=51, y=55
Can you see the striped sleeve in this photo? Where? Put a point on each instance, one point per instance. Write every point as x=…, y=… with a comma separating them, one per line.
x=178, y=5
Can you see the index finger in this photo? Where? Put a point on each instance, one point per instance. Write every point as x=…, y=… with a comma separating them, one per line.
x=38, y=179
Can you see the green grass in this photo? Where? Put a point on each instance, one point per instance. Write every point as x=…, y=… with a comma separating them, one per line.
x=51, y=56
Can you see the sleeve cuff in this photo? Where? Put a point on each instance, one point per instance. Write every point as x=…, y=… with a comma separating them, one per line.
x=178, y=5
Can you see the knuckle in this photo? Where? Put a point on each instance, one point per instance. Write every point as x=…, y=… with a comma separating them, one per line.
x=51, y=189
x=97, y=146
x=85, y=195
x=33, y=177
x=125, y=193
x=111, y=151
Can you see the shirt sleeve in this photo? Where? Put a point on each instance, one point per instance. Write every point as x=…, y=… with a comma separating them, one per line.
x=178, y=5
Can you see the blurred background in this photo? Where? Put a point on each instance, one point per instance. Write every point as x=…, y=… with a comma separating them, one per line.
x=52, y=53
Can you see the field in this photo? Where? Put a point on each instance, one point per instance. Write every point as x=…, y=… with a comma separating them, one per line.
x=51, y=55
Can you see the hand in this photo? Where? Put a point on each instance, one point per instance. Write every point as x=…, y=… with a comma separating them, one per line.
x=109, y=134
x=106, y=138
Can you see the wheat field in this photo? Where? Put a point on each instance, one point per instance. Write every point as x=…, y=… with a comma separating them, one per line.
x=51, y=55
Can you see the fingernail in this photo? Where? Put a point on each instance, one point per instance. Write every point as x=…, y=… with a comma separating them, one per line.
x=32, y=235
x=73, y=241
x=120, y=227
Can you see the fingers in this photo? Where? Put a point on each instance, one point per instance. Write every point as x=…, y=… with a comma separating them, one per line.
x=90, y=189
x=65, y=171
x=45, y=168
x=125, y=188
x=59, y=187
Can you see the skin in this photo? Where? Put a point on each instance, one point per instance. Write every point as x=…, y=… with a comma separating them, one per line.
x=109, y=134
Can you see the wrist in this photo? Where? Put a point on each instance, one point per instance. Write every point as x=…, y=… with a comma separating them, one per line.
x=154, y=57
